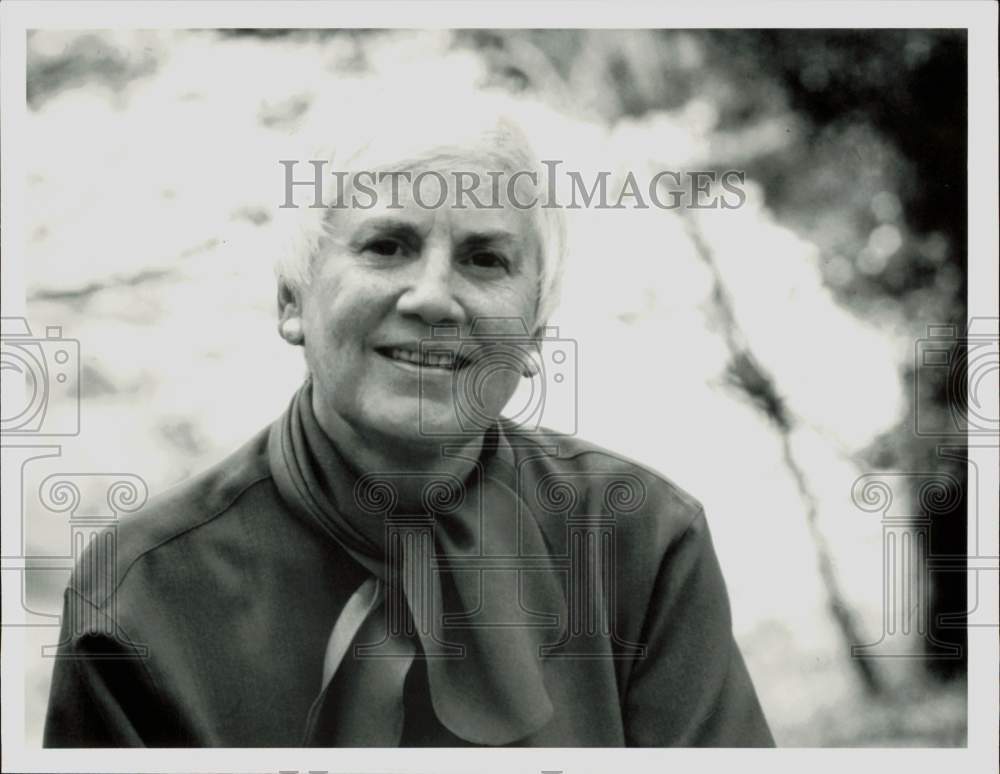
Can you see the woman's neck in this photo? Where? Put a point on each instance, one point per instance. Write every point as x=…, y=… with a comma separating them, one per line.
x=404, y=463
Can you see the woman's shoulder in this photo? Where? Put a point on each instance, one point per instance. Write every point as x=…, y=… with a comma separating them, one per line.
x=172, y=520
x=568, y=476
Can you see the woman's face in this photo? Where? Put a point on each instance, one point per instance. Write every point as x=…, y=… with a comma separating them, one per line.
x=381, y=280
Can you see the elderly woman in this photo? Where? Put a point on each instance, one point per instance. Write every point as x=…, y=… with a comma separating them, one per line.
x=392, y=562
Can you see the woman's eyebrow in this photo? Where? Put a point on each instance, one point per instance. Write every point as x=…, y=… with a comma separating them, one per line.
x=389, y=227
x=491, y=238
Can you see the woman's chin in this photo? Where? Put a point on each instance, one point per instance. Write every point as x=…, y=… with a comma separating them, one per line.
x=423, y=425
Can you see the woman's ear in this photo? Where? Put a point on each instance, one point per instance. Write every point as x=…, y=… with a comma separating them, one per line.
x=530, y=366
x=290, y=314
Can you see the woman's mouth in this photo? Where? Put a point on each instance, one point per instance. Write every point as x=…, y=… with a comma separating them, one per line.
x=444, y=361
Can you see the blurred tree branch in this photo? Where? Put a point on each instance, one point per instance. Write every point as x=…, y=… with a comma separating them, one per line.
x=746, y=374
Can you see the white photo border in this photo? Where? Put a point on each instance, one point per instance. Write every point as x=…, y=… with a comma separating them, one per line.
x=978, y=18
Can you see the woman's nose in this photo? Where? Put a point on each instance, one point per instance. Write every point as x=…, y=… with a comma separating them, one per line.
x=430, y=295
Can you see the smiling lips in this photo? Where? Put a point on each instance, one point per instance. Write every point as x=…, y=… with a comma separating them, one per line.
x=446, y=361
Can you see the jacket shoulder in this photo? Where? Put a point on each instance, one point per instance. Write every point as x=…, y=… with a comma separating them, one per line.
x=104, y=564
x=646, y=505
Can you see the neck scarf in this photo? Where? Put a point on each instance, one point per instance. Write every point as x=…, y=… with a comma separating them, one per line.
x=456, y=569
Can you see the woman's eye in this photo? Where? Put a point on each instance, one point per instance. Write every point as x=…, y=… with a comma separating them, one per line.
x=487, y=260
x=387, y=248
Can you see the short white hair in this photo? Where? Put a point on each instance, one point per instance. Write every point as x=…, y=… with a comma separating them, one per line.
x=380, y=128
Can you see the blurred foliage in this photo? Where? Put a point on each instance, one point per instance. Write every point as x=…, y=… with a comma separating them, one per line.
x=894, y=106
x=83, y=60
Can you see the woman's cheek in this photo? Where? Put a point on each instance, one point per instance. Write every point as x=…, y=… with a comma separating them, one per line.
x=509, y=302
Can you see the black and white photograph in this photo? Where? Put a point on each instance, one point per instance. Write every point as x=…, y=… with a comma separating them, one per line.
x=413, y=382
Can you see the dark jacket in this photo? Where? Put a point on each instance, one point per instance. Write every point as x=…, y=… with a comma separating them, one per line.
x=206, y=624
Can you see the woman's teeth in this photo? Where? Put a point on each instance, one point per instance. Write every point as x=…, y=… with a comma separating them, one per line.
x=427, y=360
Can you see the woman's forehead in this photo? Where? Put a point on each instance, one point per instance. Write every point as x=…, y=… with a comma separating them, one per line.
x=466, y=201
